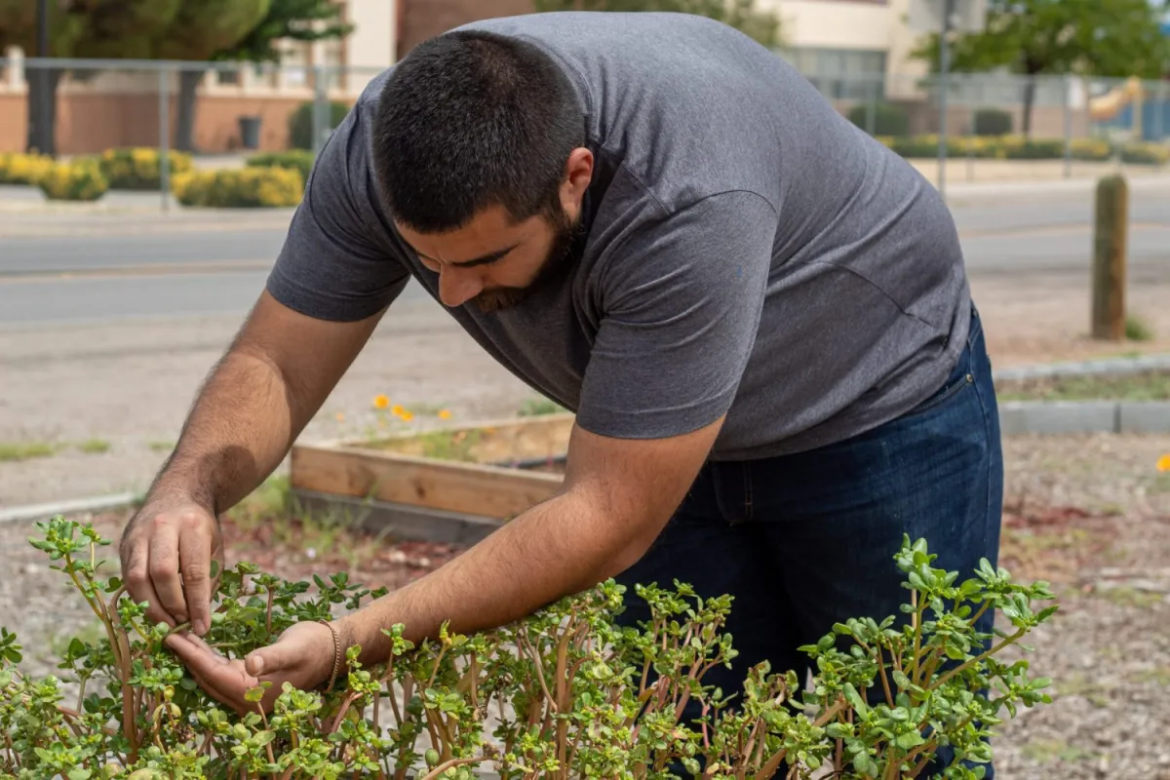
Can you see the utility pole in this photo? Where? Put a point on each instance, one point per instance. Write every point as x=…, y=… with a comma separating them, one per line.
x=44, y=134
x=944, y=44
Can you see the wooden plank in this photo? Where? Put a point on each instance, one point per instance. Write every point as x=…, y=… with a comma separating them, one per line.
x=470, y=488
x=491, y=442
x=402, y=521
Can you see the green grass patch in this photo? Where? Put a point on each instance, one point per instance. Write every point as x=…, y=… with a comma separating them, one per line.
x=272, y=498
x=1054, y=751
x=535, y=407
x=94, y=446
x=161, y=446
x=11, y=451
x=1138, y=329
x=1143, y=386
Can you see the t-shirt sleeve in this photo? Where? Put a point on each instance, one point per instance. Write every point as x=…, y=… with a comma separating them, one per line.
x=682, y=300
x=331, y=265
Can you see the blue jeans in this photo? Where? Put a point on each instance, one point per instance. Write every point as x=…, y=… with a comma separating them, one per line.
x=803, y=541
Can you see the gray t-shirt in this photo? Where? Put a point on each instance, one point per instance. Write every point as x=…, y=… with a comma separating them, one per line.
x=749, y=251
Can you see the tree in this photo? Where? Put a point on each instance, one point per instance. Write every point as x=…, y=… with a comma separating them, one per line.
x=296, y=20
x=764, y=26
x=78, y=28
x=199, y=31
x=1119, y=38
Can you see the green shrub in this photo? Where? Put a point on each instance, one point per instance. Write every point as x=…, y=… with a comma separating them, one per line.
x=574, y=692
x=992, y=122
x=1145, y=154
x=1137, y=328
x=137, y=168
x=78, y=180
x=23, y=168
x=300, y=122
x=1016, y=148
x=245, y=188
x=888, y=119
x=1091, y=149
x=925, y=147
x=297, y=159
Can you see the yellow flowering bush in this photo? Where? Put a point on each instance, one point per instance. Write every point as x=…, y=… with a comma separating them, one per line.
x=297, y=159
x=1091, y=149
x=1018, y=147
x=137, y=168
x=244, y=188
x=23, y=168
x=78, y=180
x=1145, y=154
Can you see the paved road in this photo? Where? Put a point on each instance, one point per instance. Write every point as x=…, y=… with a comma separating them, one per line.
x=59, y=269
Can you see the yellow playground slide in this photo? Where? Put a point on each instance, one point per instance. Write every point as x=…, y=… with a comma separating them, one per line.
x=1105, y=107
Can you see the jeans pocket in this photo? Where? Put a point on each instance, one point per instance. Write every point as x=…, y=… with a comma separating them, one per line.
x=948, y=391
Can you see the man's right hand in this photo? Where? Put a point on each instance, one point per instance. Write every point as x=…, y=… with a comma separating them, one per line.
x=166, y=553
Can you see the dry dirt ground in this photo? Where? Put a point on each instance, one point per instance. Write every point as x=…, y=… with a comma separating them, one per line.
x=129, y=387
x=1090, y=514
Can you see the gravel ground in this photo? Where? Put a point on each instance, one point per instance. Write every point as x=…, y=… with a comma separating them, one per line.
x=1090, y=514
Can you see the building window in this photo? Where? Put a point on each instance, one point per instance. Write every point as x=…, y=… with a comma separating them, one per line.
x=842, y=74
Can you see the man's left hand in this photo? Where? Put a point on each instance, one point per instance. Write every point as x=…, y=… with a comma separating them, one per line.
x=302, y=656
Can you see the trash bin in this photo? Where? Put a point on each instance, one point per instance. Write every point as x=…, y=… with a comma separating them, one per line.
x=250, y=132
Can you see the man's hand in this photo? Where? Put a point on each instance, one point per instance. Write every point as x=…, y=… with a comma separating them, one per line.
x=617, y=496
x=166, y=552
x=302, y=656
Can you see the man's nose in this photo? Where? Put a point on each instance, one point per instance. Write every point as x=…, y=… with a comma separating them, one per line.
x=458, y=287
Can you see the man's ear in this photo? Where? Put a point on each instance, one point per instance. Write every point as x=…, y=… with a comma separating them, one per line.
x=578, y=176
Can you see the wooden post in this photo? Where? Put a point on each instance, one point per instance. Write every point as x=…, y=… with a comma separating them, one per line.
x=1109, y=256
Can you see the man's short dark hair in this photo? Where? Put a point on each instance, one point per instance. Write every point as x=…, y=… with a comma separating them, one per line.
x=469, y=120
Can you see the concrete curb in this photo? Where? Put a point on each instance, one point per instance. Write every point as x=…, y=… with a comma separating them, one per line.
x=1111, y=366
x=1072, y=417
x=42, y=511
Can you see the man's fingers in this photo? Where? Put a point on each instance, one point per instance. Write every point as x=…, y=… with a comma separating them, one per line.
x=136, y=576
x=274, y=658
x=220, y=657
x=195, y=562
x=163, y=569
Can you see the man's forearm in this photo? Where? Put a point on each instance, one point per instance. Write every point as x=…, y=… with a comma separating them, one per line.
x=555, y=549
x=239, y=430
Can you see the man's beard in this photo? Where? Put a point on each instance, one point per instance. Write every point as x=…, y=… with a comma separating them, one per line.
x=555, y=267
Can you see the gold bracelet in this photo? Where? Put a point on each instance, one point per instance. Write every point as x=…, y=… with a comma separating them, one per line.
x=337, y=654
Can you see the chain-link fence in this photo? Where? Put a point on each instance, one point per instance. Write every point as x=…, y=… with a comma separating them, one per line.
x=205, y=108
x=225, y=112
x=1005, y=126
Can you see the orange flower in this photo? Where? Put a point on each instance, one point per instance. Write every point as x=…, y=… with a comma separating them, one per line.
x=381, y=401
x=1164, y=463
x=397, y=411
x=341, y=417
x=444, y=414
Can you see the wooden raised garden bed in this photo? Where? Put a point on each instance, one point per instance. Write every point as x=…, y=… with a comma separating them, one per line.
x=454, y=484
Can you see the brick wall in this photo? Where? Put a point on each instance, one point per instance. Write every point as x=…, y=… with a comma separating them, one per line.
x=419, y=20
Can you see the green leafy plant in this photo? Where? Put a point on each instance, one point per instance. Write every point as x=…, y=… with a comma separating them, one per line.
x=571, y=693
x=298, y=160
x=992, y=121
x=888, y=119
x=300, y=122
